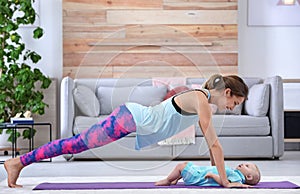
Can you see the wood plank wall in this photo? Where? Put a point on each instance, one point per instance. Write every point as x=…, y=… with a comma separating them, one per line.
x=149, y=38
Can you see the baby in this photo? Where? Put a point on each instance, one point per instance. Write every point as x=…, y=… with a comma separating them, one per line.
x=244, y=175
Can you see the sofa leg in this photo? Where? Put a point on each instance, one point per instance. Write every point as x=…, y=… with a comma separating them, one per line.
x=68, y=157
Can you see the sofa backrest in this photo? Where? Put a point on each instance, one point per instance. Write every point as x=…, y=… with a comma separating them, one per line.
x=249, y=81
x=112, y=92
x=112, y=82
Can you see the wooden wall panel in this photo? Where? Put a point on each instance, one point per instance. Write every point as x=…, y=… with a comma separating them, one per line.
x=200, y=5
x=168, y=17
x=118, y=38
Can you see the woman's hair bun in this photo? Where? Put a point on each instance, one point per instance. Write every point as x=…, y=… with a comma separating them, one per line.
x=217, y=80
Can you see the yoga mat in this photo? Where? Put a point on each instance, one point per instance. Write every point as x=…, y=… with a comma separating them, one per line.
x=150, y=185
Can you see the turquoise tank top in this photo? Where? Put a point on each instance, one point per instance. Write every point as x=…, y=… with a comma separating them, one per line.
x=159, y=122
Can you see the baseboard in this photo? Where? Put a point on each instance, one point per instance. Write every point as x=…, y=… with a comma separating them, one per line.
x=292, y=146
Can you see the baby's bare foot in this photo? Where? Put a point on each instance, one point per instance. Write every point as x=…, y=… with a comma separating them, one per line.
x=174, y=182
x=163, y=182
x=13, y=168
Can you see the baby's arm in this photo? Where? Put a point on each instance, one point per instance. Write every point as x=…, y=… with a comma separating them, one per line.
x=218, y=180
x=214, y=176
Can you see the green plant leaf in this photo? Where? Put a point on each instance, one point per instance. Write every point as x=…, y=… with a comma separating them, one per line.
x=38, y=33
x=11, y=136
x=46, y=83
x=35, y=57
x=15, y=37
x=18, y=79
x=10, y=132
x=26, y=133
x=9, y=27
x=37, y=73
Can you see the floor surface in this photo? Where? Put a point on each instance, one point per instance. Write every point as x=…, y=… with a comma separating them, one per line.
x=286, y=166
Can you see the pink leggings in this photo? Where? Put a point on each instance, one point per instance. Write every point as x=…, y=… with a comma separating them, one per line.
x=117, y=125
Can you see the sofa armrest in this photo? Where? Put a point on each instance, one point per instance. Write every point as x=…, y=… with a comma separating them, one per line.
x=67, y=111
x=276, y=114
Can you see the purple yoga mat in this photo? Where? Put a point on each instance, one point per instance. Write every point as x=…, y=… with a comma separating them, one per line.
x=149, y=185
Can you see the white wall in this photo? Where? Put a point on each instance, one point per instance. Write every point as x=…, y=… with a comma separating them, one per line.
x=51, y=49
x=50, y=45
x=269, y=50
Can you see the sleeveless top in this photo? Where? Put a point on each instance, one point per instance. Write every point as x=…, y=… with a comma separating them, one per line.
x=159, y=122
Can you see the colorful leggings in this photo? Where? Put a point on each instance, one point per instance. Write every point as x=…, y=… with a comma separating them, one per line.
x=117, y=125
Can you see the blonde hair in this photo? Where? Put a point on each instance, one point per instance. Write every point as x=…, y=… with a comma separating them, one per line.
x=234, y=82
x=255, y=177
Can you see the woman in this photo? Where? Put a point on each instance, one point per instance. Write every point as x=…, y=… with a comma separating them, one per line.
x=151, y=124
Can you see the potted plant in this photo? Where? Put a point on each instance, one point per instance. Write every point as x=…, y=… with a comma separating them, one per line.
x=18, y=80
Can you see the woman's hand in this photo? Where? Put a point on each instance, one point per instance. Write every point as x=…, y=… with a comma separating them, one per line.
x=240, y=185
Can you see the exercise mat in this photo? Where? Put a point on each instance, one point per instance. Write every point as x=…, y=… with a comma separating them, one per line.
x=150, y=185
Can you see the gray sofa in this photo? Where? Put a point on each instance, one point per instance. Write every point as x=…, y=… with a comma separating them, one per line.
x=253, y=130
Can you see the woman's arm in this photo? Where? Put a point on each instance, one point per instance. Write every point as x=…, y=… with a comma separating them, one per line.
x=216, y=152
x=215, y=148
x=199, y=103
x=212, y=160
x=209, y=133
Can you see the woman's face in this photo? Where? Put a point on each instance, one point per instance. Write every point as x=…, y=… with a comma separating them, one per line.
x=226, y=101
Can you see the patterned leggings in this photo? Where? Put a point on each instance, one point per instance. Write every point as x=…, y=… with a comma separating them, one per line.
x=117, y=125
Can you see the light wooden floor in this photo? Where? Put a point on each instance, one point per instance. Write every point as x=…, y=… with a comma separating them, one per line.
x=288, y=165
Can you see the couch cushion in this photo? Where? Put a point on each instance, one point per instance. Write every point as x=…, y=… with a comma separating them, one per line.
x=224, y=125
x=239, y=125
x=257, y=103
x=82, y=122
x=86, y=101
x=175, y=90
x=112, y=97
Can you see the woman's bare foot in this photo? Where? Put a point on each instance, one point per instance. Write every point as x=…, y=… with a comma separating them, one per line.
x=163, y=182
x=13, y=168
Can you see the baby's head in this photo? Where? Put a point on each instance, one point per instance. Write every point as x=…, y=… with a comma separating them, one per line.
x=251, y=173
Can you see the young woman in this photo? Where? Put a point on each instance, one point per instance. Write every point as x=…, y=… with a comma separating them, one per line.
x=151, y=124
